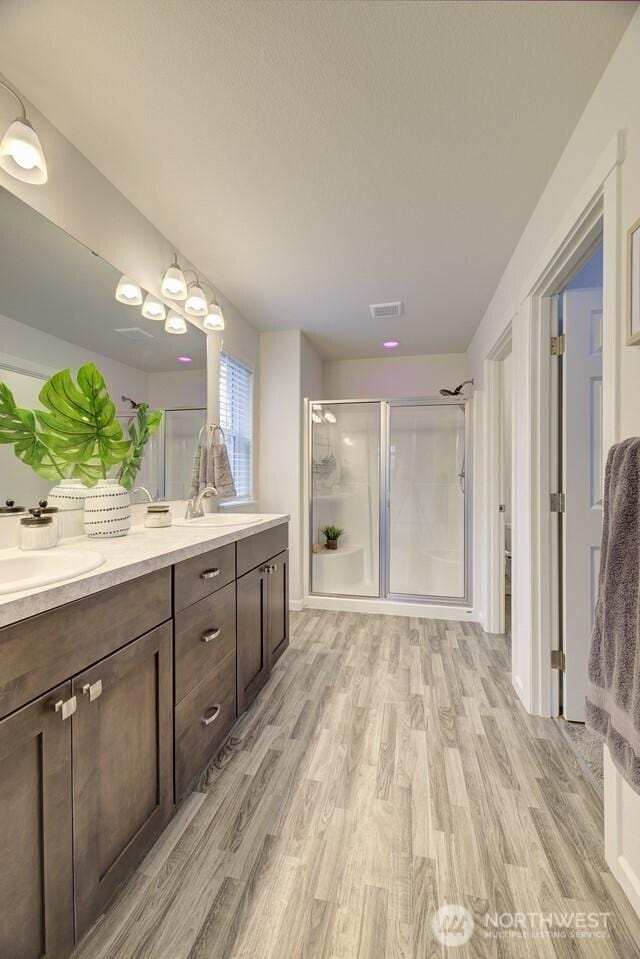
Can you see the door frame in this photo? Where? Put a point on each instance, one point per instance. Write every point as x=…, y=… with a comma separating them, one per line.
x=595, y=213
x=494, y=604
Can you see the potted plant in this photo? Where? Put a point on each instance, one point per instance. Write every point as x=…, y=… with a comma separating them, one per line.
x=76, y=439
x=333, y=534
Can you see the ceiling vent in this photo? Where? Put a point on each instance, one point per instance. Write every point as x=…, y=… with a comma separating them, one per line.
x=382, y=311
x=134, y=333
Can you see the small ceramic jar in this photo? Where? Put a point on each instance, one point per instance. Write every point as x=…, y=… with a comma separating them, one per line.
x=157, y=516
x=69, y=494
x=107, y=510
x=37, y=531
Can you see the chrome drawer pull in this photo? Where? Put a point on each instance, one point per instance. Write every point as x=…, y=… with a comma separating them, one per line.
x=209, y=637
x=209, y=573
x=215, y=712
x=94, y=690
x=268, y=569
x=66, y=707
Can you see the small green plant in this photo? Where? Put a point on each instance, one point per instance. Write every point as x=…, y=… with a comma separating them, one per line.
x=332, y=533
x=77, y=435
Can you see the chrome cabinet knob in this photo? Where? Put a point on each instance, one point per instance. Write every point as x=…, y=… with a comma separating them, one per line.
x=93, y=690
x=66, y=707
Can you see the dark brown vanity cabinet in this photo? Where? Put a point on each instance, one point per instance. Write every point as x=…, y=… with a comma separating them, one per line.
x=36, y=872
x=263, y=617
x=122, y=767
x=145, y=680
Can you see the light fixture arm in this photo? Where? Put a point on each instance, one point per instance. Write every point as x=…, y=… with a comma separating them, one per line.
x=23, y=109
x=209, y=287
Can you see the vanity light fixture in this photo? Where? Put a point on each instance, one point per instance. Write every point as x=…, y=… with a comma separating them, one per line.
x=21, y=153
x=175, y=323
x=196, y=303
x=174, y=284
x=153, y=308
x=214, y=320
x=128, y=292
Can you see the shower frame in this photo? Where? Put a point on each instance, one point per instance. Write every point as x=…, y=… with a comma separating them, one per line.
x=384, y=454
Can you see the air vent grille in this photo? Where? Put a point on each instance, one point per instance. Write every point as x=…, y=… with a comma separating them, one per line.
x=134, y=333
x=385, y=310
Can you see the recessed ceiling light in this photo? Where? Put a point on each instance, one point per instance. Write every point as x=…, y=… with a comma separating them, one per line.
x=390, y=344
x=185, y=359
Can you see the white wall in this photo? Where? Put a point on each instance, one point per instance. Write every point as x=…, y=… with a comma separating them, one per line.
x=290, y=369
x=177, y=389
x=614, y=106
x=393, y=376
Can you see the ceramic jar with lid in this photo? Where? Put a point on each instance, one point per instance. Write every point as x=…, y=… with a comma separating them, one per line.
x=38, y=530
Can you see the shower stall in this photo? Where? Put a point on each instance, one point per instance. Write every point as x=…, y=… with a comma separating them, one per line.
x=395, y=476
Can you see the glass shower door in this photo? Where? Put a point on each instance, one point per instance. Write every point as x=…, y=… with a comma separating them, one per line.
x=345, y=492
x=426, y=501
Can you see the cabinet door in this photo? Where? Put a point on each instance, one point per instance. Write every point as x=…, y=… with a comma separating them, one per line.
x=122, y=767
x=252, y=649
x=278, y=606
x=36, y=876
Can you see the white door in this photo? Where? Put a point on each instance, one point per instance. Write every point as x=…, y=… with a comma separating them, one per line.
x=583, y=472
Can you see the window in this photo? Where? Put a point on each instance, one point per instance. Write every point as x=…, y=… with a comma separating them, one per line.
x=236, y=392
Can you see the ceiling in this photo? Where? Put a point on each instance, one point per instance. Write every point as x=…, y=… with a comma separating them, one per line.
x=56, y=285
x=313, y=158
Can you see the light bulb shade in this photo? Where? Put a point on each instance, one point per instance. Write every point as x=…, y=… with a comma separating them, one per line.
x=214, y=320
x=128, y=292
x=174, y=284
x=175, y=323
x=21, y=153
x=196, y=304
x=153, y=308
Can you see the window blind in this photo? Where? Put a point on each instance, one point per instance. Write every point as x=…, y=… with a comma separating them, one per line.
x=236, y=408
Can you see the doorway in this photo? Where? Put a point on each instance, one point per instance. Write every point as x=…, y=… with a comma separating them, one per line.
x=577, y=314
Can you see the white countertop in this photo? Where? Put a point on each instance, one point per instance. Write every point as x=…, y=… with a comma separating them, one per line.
x=126, y=557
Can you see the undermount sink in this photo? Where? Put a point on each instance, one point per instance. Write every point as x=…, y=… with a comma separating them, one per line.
x=21, y=569
x=221, y=519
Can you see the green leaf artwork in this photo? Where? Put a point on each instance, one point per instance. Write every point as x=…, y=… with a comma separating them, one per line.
x=141, y=428
x=77, y=435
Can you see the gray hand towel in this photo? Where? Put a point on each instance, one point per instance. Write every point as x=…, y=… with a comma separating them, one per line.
x=202, y=474
x=195, y=472
x=224, y=481
x=613, y=697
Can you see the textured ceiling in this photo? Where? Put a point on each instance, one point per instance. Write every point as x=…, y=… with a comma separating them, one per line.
x=316, y=157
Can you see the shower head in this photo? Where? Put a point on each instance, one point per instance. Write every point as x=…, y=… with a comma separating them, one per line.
x=458, y=389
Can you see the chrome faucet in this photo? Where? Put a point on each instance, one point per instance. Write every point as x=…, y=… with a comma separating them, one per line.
x=194, y=506
x=142, y=489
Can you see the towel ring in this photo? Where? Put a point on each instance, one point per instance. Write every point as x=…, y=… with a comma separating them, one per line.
x=213, y=427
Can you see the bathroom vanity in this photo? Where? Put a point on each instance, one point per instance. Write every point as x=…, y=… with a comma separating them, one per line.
x=116, y=691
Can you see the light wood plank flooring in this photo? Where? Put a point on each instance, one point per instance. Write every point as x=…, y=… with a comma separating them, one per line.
x=387, y=768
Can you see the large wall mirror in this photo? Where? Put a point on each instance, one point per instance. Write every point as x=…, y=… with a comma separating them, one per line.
x=58, y=310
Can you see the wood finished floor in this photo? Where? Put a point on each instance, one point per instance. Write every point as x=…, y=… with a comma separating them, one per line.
x=386, y=769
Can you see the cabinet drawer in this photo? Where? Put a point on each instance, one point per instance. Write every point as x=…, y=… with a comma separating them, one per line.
x=45, y=650
x=199, y=577
x=205, y=635
x=256, y=549
x=202, y=720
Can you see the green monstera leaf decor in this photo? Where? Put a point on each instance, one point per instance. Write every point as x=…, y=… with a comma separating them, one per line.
x=77, y=434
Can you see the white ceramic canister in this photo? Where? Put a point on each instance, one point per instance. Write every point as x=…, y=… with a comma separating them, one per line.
x=68, y=494
x=107, y=510
x=38, y=531
x=158, y=515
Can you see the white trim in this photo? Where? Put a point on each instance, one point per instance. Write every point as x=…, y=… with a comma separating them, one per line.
x=595, y=209
x=389, y=607
x=295, y=605
x=618, y=796
x=18, y=364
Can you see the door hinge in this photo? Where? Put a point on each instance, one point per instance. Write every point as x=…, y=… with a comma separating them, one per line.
x=557, y=503
x=558, y=660
x=558, y=345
